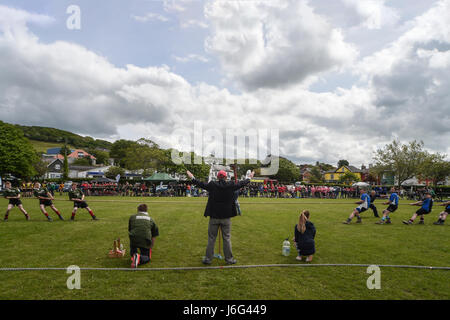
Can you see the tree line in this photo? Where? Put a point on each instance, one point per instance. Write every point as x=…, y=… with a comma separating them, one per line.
x=17, y=157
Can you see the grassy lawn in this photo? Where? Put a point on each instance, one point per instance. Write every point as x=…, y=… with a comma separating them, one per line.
x=42, y=146
x=257, y=238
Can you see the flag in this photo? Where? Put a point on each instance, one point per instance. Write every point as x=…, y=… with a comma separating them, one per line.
x=118, y=178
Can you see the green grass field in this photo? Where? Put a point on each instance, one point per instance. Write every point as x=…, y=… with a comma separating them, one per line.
x=257, y=238
x=42, y=146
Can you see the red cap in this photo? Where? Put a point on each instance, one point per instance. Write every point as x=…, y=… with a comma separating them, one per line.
x=221, y=174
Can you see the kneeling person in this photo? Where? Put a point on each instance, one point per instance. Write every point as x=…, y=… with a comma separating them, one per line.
x=142, y=231
x=77, y=196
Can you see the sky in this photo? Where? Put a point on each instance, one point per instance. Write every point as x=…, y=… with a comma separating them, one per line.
x=335, y=79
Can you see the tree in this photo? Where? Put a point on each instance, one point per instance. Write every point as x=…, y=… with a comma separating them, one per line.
x=85, y=161
x=287, y=171
x=64, y=150
x=17, y=155
x=66, y=162
x=348, y=177
x=119, y=150
x=315, y=175
x=342, y=163
x=143, y=156
x=435, y=168
x=113, y=171
x=200, y=171
x=404, y=160
x=40, y=166
x=324, y=166
x=101, y=156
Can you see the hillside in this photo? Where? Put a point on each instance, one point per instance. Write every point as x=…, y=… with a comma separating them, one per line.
x=44, y=137
x=42, y=146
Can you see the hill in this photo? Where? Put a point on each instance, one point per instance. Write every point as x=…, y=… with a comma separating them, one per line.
x=44, y=137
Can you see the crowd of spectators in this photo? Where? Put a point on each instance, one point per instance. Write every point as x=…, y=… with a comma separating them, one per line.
x=252, y=190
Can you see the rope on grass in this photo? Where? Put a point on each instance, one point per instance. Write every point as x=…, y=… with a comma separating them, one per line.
x=234, y=267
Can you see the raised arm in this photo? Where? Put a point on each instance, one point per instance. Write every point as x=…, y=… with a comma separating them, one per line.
x=196, y=182
x=242, y=183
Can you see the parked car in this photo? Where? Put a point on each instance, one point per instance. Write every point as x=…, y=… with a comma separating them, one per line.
x=67, y=186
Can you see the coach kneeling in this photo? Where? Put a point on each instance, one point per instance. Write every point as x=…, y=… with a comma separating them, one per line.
x=221, y=207
x=142, y=231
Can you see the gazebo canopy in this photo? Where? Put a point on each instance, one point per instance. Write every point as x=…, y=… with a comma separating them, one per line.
x=160, y=176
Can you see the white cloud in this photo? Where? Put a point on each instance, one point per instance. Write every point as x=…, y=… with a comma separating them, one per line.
x=374, y=13
x=193, y=23
x=191, y=57
x=269, y=44
x=404, y=92
x=150, y=16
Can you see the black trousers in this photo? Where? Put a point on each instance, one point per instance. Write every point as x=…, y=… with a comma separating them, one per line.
x=144, y=252
x=375, y=211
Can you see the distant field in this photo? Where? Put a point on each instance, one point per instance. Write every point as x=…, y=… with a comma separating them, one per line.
x=257, y=238
x=42, y=146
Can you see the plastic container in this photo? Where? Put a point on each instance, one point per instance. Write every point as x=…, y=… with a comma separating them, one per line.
x=286, y=249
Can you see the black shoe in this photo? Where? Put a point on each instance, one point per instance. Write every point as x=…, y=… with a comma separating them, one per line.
x=206, y=261
x=388, y=221
x=421, y=222
x=61, y=217
x=5, y=220
x=232, y=261
x=94, y=218
x=407, y=222
x=49, y=219
x=347, y=221
x=72, y=218
x=380, y=222
x=359, y=221
x=27, y=217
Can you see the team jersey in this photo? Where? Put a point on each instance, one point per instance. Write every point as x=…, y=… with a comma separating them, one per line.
x=427, y=204
x=394, y=199
x=141, y=229
x=11, y=192
x=41, y=192
x=76, y=194
x=365, y=197
x=447, y=207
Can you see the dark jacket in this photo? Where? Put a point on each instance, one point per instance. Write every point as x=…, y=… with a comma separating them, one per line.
x=221, y=197
x=141, y=229
x=305, y=241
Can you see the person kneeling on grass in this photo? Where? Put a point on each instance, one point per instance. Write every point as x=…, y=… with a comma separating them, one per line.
x=443, y=215
x=426, y=204
x=304, y=234
x=364, y=204
x=142, y=231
